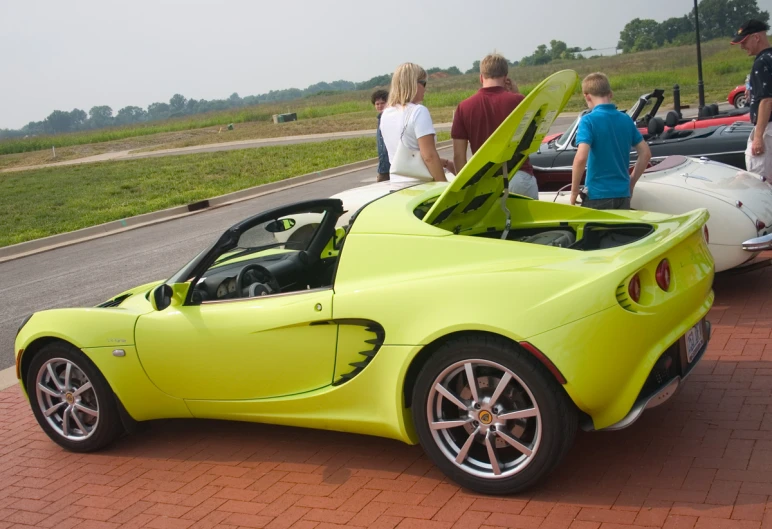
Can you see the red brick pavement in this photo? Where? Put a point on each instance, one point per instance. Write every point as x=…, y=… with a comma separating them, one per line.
x=702, y=461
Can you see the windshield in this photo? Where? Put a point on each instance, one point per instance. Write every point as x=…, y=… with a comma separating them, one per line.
x=561, y=141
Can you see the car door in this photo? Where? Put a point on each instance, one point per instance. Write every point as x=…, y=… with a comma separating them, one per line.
x=252, y=348
x=249, y=318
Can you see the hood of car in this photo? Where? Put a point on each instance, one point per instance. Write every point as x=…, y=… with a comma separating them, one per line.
x=481, y=183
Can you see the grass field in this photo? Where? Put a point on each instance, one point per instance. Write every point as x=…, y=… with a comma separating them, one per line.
x=38, y=203
x=631, y=75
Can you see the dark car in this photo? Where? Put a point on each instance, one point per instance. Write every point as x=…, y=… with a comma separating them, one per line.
x=723, y=143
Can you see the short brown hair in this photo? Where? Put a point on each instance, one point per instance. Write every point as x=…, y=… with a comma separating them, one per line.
x=378, y=95
x=494, y=66
x=596, y=84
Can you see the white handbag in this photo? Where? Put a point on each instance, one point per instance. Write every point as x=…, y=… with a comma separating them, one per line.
x=407, y=161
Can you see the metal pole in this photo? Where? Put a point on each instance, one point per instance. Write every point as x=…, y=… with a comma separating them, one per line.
x=700, y=85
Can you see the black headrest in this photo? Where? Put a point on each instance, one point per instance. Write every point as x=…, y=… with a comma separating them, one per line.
x=656, y=126
x=671, y=119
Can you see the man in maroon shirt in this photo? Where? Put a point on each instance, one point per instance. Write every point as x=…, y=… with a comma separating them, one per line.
x=477, y=117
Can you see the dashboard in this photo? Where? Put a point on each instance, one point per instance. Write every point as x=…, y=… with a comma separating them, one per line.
x=270, y=274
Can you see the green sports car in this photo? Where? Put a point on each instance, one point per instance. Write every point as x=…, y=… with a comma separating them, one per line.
x=486, y=326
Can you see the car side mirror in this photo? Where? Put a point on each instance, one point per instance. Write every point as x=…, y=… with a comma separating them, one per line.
x=280, y=225
x=161, y=297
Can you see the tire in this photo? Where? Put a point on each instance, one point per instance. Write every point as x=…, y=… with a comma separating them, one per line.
x=546, y=426
x=92, y=418
x=739, y=101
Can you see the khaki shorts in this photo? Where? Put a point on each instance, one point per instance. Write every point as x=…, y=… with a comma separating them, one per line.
x=761, y=164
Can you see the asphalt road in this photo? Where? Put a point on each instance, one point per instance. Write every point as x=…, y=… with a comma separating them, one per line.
x=85, y=274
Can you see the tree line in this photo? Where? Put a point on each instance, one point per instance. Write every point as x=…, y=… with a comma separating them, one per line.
x=718, y=18
x=98, y=117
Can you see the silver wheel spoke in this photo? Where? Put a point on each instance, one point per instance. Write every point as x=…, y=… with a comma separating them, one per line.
x=500, y=389
x=81, y=389
x=450, y=396
x=492, y=456
x=66, y=422
x=520, y=414
x=50, y=411
x=67, y=371
x=517, y=445
x=465, y=449
x=48, y=391
x=54, y=378
x=78, y=422
x=86, y=410
x=440, y=425
x=471, y=381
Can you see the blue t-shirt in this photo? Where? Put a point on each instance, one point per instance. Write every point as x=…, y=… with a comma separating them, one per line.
x=610, y=134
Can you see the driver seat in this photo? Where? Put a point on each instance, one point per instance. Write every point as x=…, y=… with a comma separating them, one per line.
x=656, y=127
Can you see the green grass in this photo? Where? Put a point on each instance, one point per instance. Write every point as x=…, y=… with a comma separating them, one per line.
x=631, y=75
x=39, y=203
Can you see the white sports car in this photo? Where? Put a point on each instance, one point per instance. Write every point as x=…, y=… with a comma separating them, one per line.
x=739, y=203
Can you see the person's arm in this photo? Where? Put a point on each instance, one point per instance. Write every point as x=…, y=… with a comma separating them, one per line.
x=459, y=154
x=577, y=171
x=583, y=143
x=762, y=119
x=644, y=155
x=460, y=140
x=431, y=157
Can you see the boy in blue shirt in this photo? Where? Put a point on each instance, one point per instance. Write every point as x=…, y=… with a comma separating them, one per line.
x=604, y=139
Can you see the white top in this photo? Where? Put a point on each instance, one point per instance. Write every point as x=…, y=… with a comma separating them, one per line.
x=393, y=121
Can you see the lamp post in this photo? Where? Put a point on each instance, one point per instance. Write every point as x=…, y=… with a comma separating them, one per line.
x=700, y=85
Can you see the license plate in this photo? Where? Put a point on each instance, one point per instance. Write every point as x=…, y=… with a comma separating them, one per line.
x=694, y=341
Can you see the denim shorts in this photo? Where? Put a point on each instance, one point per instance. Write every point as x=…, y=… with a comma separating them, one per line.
x=607, y=203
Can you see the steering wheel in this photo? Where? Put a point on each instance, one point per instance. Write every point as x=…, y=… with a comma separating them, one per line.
x=255, y=280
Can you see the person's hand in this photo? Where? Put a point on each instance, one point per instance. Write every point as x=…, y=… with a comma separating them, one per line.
x=574, y=196
x=757, y=147
x=449, y=166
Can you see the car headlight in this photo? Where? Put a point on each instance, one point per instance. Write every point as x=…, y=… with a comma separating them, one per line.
x=23, y=323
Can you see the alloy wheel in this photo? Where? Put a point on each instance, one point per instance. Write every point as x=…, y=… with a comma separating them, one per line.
x=484, y=418
x=67, y=399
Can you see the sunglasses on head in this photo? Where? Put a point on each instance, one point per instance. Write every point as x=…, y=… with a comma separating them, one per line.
x=422, y=82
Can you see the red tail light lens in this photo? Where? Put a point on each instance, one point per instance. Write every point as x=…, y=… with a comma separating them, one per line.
x=663, y=275
x=707, y=234
x=760, y=225
x=634, y=288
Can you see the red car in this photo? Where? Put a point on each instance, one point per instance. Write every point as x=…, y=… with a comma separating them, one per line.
x=737, y=97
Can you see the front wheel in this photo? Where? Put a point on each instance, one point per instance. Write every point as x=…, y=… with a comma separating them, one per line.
x=491, y=416
x=739, y=101
x=71, y=400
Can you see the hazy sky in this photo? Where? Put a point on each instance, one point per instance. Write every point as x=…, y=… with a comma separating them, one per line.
x=81, y=53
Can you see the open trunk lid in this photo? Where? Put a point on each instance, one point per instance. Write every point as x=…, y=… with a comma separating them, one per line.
x=482, y=183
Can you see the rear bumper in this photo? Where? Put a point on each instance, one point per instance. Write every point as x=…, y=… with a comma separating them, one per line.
x=664, y=382
x=758, y=244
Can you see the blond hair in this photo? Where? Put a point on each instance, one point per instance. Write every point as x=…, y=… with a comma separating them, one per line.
x=404, y=84
x=596, y=84
x=494, y=66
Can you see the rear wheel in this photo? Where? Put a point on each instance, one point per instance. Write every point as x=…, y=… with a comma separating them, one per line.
x=491, y=416
x=71, y=400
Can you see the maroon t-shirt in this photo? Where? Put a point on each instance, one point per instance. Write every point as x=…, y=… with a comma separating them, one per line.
x=479, y=116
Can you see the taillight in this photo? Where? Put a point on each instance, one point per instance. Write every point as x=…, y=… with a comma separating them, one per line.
x=663, y=275
x=634, y=288
x=760, y=225
x=706, y=233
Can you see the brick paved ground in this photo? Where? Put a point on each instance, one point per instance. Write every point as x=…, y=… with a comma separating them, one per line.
x=703, y=461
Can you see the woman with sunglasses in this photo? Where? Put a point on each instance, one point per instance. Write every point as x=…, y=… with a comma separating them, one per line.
x=406, y=121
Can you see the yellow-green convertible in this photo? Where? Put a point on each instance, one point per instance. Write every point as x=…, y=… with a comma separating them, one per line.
x=486, y=326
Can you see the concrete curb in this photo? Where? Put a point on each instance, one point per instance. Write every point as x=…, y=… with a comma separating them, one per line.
x=24, y=249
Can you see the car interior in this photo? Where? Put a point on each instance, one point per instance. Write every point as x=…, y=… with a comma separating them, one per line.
x=275, y=257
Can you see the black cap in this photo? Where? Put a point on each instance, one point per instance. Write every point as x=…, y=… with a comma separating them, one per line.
x=749, y=28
